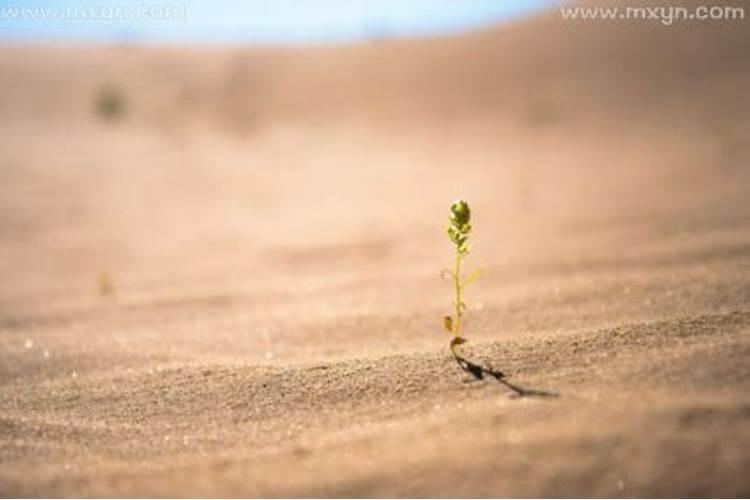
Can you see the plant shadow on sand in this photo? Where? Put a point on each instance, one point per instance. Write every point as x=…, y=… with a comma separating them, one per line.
x=479, y=372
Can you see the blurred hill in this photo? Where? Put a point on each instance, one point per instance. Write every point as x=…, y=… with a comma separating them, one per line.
x=531, y=74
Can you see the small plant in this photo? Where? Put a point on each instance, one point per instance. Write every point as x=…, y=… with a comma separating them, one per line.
x=458, y=229
x=109, y=104
x=106, y=286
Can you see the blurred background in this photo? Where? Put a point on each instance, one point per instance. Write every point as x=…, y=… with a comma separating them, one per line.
x=271, y=179
x=288, y=22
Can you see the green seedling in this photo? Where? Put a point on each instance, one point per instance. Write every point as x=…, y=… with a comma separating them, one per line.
x=458, y=229
x=106, y=286
x=109, y=104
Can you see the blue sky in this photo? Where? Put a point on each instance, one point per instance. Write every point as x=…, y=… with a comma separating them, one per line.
x=250, y=21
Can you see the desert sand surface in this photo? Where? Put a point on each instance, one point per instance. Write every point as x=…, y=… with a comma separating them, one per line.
x=232, y=287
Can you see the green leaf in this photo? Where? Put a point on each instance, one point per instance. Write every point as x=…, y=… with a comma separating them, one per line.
x=471, y=277
x=453, y=234
x=460, y=213
x=448, y=323
x=458, y=341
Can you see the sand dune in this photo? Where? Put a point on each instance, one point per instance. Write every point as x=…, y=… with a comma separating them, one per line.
x=229, y=286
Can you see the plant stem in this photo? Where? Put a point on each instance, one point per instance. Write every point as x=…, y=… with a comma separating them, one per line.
x=457, y=279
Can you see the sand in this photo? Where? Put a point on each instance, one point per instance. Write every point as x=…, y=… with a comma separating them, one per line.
x=233, y=287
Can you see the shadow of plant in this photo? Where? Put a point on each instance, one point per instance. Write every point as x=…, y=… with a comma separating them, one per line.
x=479, y=372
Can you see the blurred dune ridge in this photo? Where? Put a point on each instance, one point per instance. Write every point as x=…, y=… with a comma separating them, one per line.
x=221, y=265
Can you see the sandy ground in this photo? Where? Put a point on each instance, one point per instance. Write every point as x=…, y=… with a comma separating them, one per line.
x=270, y=223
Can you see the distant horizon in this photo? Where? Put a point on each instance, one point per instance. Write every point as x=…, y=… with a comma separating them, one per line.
x=252, y=22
